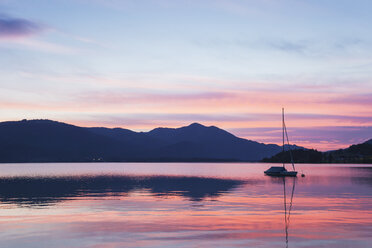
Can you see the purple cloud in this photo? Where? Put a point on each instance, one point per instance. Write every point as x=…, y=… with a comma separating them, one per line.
x=322, y=138
x=15, y=27
x=357, y=99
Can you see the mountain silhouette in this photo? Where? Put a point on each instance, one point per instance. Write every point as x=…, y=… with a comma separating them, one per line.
x=46, y=141
x=358, y=153
x=52, y=141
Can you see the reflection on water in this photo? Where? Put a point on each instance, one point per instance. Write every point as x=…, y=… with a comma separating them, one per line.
x=183, y=205
x=43, y=191
x=287, y=214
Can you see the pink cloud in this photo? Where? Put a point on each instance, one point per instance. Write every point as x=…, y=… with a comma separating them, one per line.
x=322, y=138
x=257, y=106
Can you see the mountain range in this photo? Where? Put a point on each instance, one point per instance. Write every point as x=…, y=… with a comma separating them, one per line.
x=52, y=141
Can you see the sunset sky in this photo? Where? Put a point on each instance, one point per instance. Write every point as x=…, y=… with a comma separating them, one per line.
x=234, y=64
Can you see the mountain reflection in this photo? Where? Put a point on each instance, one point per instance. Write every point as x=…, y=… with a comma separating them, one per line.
x=44, y=191
x=364, y=175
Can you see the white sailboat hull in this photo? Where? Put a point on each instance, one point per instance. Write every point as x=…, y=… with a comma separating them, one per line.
x=281, y=173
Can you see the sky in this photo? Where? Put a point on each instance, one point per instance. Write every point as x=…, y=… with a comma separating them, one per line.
x=141, y=64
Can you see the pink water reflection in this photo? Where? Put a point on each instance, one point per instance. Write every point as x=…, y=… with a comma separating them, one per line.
x=182, y=205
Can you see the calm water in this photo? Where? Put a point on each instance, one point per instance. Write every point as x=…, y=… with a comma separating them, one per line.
x=183, y=205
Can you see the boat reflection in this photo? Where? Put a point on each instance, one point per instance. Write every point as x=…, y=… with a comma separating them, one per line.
x=287, y=211
x=44, y=191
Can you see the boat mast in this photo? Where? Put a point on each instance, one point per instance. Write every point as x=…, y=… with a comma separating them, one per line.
x=283, y=132
x=289, y=147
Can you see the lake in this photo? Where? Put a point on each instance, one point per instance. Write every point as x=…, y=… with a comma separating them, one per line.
x=183, y=205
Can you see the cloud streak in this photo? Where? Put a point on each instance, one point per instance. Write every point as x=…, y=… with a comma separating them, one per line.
x=17, y=27
x=322, y=138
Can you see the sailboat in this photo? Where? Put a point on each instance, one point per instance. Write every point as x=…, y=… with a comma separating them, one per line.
x=281, y=171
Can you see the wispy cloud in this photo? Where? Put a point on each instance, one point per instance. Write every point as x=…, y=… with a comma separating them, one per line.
x=39, y=45
x=112, y=97
x=323, y=138
x=229, y=121
x=21, y=33
x=17, y=27
x=355, y=99
x=289, y=46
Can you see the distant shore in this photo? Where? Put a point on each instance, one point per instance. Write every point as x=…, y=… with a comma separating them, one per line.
x=179, y=161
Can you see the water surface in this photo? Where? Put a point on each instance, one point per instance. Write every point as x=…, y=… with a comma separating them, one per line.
x=183, y=205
